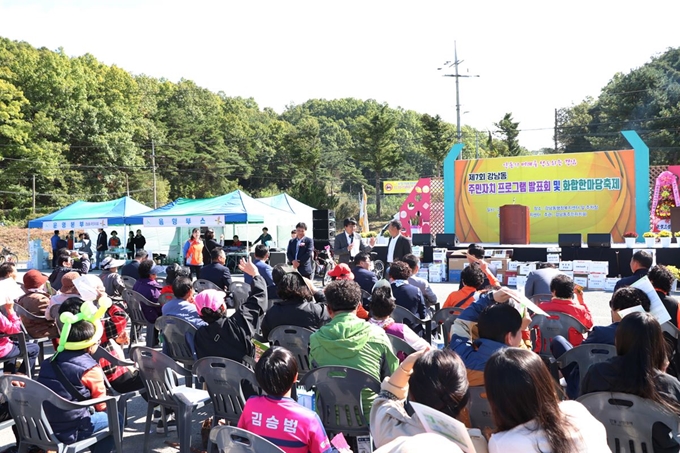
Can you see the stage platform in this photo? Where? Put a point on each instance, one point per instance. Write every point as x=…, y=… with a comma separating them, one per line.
x=618, y=255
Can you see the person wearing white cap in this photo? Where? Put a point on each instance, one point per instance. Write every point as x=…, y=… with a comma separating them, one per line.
x=113, y=283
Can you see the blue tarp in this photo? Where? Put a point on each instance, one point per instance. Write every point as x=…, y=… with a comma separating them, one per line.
x=236, y=207
x=122, y=211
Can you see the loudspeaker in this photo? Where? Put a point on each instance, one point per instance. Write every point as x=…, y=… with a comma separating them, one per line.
x=599, y=240
x=428, y=254
x=323, y=227
x=422, y=239
x=446, y=240
x=321, y=214
x=320, y=244
x=569, y=239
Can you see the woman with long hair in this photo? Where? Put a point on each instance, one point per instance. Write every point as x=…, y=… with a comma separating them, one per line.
x=435, y=378
x=528, y=413
x=639, y=368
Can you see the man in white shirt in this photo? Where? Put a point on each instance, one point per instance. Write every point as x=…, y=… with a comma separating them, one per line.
x=398, y=245
x=348, y=243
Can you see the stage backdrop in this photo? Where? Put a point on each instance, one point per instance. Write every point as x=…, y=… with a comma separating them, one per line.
x=565, y=193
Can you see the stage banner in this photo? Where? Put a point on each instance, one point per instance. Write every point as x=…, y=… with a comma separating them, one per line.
x=75, y=224
x=566, y=193
x=184, y=221
x=393, y=187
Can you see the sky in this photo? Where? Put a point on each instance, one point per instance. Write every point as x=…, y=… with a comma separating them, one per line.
x=531, y=56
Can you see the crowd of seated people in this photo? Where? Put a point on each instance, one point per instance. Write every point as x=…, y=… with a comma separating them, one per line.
x=490, y=347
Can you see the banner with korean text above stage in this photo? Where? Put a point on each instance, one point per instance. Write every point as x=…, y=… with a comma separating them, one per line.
x=566, y=193
x=185, y=221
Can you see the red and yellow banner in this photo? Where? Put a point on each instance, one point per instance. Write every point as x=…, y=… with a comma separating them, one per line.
x=566, y=193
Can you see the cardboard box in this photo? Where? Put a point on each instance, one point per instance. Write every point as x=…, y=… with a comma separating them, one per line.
x=512, y=281
x=596, y=281
x=457, y=263
x=554, y=258
x=599, y=267
x=417, y=250
x=439, y=255
x=570, y=274
x=521, y=281
x=610, y=283
x=581, y=266
x=454, y=275
x=525, y=269
x=581, y=281
x=566, y=266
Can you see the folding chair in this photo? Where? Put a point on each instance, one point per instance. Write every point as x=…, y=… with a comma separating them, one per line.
x=21, y=339
x=586, y=355
x=628, y=420
x=400, y=348
x=402, y=315
x=178, y=339
x=160, y=375
x=23, y=313
x=339, y=398
x=164, y=298
x=123, y=398
x=538, y=298
x=225, y=379
x=240, y=291
x=445, y=319
x=230, y=439
x=129, y=282
x=480, y=410
x=544, y=328
x=296, y=340
x=201, y=285
x=134, y=302
x=26, y=398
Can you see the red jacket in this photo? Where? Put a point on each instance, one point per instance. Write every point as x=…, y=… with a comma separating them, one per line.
x=572, y=308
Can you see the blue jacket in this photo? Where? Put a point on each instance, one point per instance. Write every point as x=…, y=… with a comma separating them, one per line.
x=475, y=355
x=602, y=334
x=304, y=254
x=131, y=269
x=73, y=364
x=409, y=297
x=364, y=278
x=183, y=310
x=218, y=274
x=265, y=271
x=627, y=281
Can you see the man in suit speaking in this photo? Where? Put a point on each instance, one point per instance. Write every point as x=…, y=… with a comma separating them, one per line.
x=301, y=251
x=348, y=243
x=398, y=245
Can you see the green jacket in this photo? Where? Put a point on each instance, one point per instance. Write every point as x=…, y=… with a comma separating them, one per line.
x=353, y=342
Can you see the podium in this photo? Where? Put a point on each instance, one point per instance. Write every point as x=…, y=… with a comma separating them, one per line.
x=514, y=224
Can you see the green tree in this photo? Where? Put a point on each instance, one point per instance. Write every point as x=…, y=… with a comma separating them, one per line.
x=375, y=146
x=438, y=137
x=508, y=132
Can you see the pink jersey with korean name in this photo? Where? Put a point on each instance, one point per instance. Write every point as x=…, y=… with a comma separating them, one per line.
x=285, y=423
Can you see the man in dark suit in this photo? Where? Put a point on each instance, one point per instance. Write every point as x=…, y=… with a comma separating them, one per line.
x=639, y=264
x=348, y=243
x=362, y=275
x=216, y=271
x=398, y=245
x=538, y=281
x=301, y=251
x=131, y=269
x=102, y=246
x=405, y=294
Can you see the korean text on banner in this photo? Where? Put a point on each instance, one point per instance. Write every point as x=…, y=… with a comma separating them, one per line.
x=75, y=224
x=392, y=187
x=184, y=221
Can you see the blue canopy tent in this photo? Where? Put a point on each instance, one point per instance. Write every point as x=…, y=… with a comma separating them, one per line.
x=87, y=214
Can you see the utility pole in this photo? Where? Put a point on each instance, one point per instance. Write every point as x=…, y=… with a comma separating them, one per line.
x=457, y=75
x=33, y=194
x=555, y=130
x=153, y=163
x=127, y=184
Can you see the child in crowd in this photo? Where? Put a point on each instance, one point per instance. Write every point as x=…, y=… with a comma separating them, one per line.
x=74, y=365
x=277, y=417
x=11, y=324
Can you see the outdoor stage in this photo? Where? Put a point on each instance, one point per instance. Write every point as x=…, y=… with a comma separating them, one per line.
x=618, y=255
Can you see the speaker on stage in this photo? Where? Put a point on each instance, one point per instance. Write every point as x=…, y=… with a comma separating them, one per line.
x=599, y=240
x=422, y=239
x=323, y=227
x=569, y=239
x=446, y=240
x=428, y=254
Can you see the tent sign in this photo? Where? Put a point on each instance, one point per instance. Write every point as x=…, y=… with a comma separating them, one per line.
x=75, y=224
x=184, y=221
